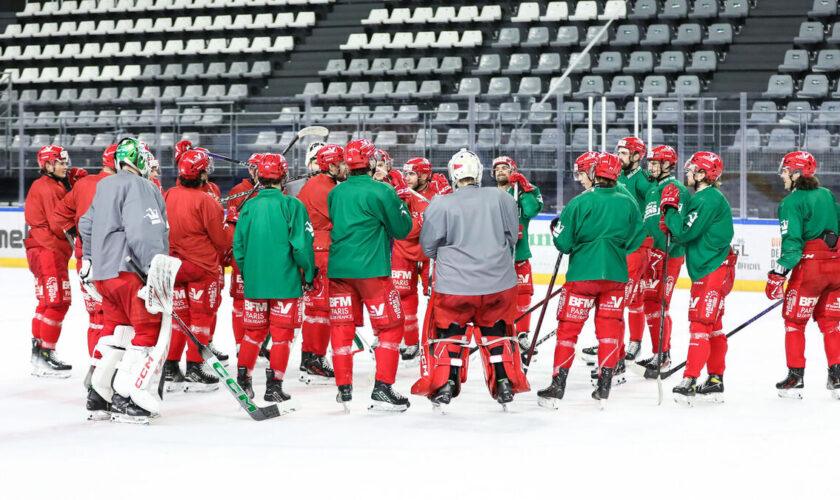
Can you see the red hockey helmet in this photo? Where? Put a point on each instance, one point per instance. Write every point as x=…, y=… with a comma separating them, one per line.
x=799, y=161
x=664, y=153
x=503, y=160
x=608, y=166
x=212, y=165
x=632, y=144
x=704, y=161
x=329, y=154
x=52, y=153
x=419, y=166
x=587, y=161
x=273, y=166
x=255, y=160
x=191, y=163
x=74, y=174
x=383, y=156
x=108, y=156
x=358, y=153
x=181, y=147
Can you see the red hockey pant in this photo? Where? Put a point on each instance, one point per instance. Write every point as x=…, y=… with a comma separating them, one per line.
x=121, y=306
x=279, y=317
x=655, y=284
x=52, y=289
x=316, y=323
x=707, y=345
x=196, y=302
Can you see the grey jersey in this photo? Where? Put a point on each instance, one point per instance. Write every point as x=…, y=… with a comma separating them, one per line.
x=126, y=219
x=294, y=187
x=472, y=234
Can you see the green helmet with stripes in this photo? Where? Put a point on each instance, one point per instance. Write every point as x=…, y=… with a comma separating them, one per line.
x=133, y=153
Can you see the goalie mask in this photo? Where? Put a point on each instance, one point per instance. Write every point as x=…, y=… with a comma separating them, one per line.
x=133, y=153
x=465, y=165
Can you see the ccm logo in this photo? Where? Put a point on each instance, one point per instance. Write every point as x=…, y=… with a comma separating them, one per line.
x=144, y=372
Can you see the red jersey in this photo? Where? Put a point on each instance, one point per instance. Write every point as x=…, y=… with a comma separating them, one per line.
x=210, y=188
x=243, y=187
x=429, y=191
x=409, y=248
x=74, y=205
x=197, y=231
x=313, y=194
x=42, y=201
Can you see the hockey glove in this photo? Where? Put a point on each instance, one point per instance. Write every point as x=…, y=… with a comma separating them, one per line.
x=74, y=174
x=232, y=215
x=662, y=226
x=396, y=179
x=310, y=286
x=440, y=184
x=553, y=225
x=775, y=288
x=670, y=198
x=524, y=185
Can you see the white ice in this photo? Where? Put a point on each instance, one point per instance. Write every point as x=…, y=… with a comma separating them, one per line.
x=755, y=443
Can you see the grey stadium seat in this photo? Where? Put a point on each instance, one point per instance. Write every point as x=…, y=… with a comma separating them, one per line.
x=425, y=66
x=537, y=37
x=334, y=67
x=686, y=85
x=549, y=139
x=530, y=86
x=357, y=67
x=583, y=63
x=358, y=90
x=640, y=61
x=312, y=89
x=643, y=9
x=573, y=112
x=510, y=111
x=719, y=34
x=688, y=34
x=814, y=86
x=447, y=112
x=735, y=9
x=580, y=139
x=405, y=89
x=674, y=9
x=488, y=138
x=667, y=112
x=382, y=114
x=335, y=90
x=779, y=86
x=704, y=9
x=703, y=61
x=518, y=64
x=657, y=34
x=823, y=8
x=548, y=63
x=540, y=112
x=591, y=33
x=450, y=65
x=834, y=37
x=379, y=66
x=763, y=112
x=520, y=138
x=616, y=134
x=428, y=89
x=628, y=114
x=810, y=32
x=782, y=139
x=817, y=139
x=488, y=64
x=671, y=61
x=407, y=113
x=622, y=87
x=796, y=60
x=402, y=66
x=612, y=112
x=626, y=35
x=752, y=137
x=508, y=37
x=608, y=62
x=382, y=89
x=829, y=113
x=469, y=86
x=655, y=86
x=828, y=60
x=590, y=85
x=567, y=36
x=796, y=112
x=498, y=86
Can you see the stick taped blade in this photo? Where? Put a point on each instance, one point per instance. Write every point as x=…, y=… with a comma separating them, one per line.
x=316, y=130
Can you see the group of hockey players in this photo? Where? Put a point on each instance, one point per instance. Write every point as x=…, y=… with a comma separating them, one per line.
x=355, y=233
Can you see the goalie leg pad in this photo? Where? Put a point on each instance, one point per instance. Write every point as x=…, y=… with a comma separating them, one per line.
x=110, y=348
x=133, y=370
x=447, y=357
x=501, y=359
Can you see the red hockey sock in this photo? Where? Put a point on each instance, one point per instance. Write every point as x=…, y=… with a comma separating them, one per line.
x=412, y=328
x=201, y=327
x=608, y=331
x=36, y=320
x=179, y=338
x=341, y=337
x=564, y=351
x=636, y=322
x=316, y=333
x=387, y=354
x=717, y=353
x=831, y=338
x=653, y=313
x=237, y=320
x=523, y=303
x=279, y=358
x=698, y=348
x=795, y=345
x=249, y=349
x=51, y=321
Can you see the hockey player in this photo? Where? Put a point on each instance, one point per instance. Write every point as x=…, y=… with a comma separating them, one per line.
x=47, y=255
x=127, y=218
x=703, y=227
x=64, y=222
x=471, y=234
x=661, y=164
x=365, y=214
x=237, y=289
x=529, y=203
x=597, y=230
x=418, y=176
x=273, y=249
x=294, y=186
x=384, y=164
x=808, y=218
x=198, y=235
x=315, y=332
x=407, y=259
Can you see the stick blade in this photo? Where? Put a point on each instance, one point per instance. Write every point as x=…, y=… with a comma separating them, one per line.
x=315, y=130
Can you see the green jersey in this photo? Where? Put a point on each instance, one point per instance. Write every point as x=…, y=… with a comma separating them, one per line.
x=597, y=230
x=652, y=216
x=705, y=230
x=638, y=182
x=803, y=216
x=529, y=205
x=272, y=245
x=365, y=214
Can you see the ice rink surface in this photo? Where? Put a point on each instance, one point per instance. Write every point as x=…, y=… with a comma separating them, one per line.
x=755, y=444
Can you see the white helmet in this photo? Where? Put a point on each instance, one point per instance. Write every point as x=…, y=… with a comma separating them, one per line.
x=312, y=152
x=464, y=165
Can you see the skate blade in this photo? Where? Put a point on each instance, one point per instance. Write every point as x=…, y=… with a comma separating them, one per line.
x=716, y=398
x=790, y=393
x=550, y=403
x=602, y=404
x=386, y=407
x=410, y=363
x=173, y=387
x=41, y=373
x=195, y=387
x=637, y=369
x=835, y=393
x=98, y=415
x=439, y=408
x=121, y=418
x=619, y=379
x=683, y=400
x=505, y=407
x=311, y=379
x=346, y=406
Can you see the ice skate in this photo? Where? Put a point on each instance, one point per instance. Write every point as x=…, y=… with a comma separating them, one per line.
x=36, y=349
x=589, y=355
x=602, y=390
x=274, y=392
x=504, y=393
x=125, y=411
x=685, y=391
x=173, y=378
x=443, y=396
x=833, y=382
x=385, y=398
x=344, y=396
x=316, y=370
x=525, y=346
x=244, y=381
x=222, y=357
x=48, y=366
x=712, y=389
x=97, y=407
x=410, y=355
x=791, y=387
x=265, y=352
x=650, y=368
x=632, y=351
x=619, y=374
x=199, y=378
x=550, y=396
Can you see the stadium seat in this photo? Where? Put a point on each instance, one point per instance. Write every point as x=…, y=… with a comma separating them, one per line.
x=540, y=112
x=443, y=15
x=407, y=113
x=674, y=9
x=488, y=64
x=450, y=65
x=428, y=89
x=814, y=86
x=567, y=36
x=817, y=140
x=335, y=90
x=655, y=86
x=644, y=10
x=823, y=8
x=527, y=12
x=530, y=86
x=488, y=138
x=622, y=87
x=735, y=9
x=657, y=34
x=489, y=14
x=421, y=15
x=426, y=137
x=626, y=35
x=688, y=34
x=386, y=138
x=582, y=63
x=518, y=64
x=671, y=61
x=376, y=16
x=829, y=113
x=556, y=11
x=335, y=114
x=779, y=86
x=828, y=60
x=796, y=60
x=355, y=41
x=614, y=9
x=703, y=61
x=608, y=62
x=520, y=137
x=592, y=33
x=585, y=10
x=382, y=89
x=508, y=37
x=403, y=66
x=639, y=62
x=537, y=37
x=810, y=32
x=447, y=112
x=611, y=112
x=548, y=63
x=686, y=86
x=456, y=138
x=358, y=90
x=379, y=66
x=782, y=139
x=556, y=86
x=312, y=89
x=405, y=89
x=357, y=67
x=719, y=34
x=499, y=86
x=382, y=114
x=763, y=112
x=590, y=85
x=469, y=86
x=704, y=9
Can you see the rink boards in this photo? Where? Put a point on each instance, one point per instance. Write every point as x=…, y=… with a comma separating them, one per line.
x=757, y=242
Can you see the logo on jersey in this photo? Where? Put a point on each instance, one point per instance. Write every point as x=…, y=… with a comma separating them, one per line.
x=282, y=308
x=256, y=306
x=309, y=229
x=341, y=302
x=694, y=302
x=153, y=215
x=783, y=226
x=808, y=301
x=195, y=295
x=692, y=217
x=651, y=210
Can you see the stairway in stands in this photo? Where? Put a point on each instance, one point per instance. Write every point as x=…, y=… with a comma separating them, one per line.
x=760, y=47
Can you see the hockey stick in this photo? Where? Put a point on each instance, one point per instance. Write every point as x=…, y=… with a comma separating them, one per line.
x=663, y=311
x=733, y=332
x=210, y=359
x=542, y=312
